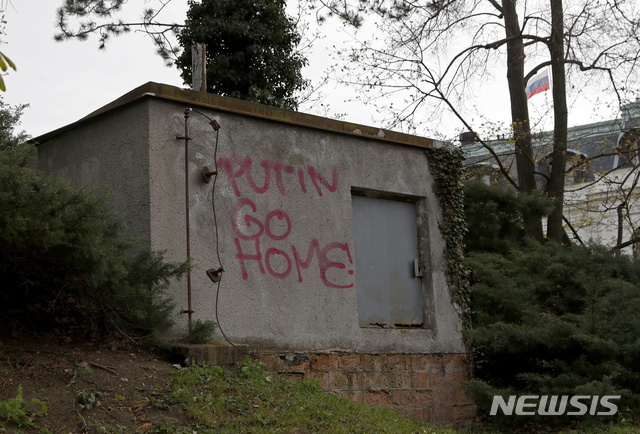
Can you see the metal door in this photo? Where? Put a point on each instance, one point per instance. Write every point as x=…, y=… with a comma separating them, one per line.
x=386, y=244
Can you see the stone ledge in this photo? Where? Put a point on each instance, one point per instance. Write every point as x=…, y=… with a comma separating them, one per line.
x=215, y=353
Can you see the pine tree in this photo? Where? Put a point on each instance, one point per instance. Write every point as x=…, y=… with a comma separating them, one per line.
x=9, y=120
x=251, y=50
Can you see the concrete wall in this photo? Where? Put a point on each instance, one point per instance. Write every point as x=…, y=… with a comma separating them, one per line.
x=307, y=174
x=112, y=150
x=284, y=235
x=300, y=181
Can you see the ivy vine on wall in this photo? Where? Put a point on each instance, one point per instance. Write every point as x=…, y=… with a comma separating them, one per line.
x=446, y=166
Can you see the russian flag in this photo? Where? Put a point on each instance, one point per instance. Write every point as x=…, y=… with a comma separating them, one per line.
x=538, y=83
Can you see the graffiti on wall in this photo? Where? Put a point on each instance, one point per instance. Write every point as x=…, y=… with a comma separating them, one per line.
x=249, y=237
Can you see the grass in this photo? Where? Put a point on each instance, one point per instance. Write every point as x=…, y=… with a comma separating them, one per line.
x=618, y=429
x=249, y=399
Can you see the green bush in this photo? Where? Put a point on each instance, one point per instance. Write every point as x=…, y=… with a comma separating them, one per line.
x=547, y=319
x=21, y=412
x=556, y=320
x=201, y=331
x=64, y=263
x=493, y=215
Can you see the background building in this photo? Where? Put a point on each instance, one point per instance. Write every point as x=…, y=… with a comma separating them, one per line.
x=602, y=177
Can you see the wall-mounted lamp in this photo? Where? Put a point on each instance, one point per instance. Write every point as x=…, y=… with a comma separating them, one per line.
x=215, y=274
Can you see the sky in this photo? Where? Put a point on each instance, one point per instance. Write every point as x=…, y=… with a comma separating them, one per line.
x=64, y=81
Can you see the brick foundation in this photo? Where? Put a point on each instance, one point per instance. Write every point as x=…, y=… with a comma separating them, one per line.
x=425, y=387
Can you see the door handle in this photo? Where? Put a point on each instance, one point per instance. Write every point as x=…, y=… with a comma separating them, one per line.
x=416, y=268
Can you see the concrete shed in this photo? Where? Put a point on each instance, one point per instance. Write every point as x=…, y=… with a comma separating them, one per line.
x=328, y=233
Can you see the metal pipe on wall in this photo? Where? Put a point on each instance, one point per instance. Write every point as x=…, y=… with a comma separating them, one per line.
x=186, y=138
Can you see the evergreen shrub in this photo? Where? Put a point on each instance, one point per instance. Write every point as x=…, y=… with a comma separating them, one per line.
x=493, y=214
x=64, y=263
x=552, y=319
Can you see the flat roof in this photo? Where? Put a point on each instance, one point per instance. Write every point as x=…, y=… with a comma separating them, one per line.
x=202, y=99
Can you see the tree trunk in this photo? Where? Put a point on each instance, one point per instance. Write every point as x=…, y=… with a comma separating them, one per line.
x=559, y=156
x=525, y=163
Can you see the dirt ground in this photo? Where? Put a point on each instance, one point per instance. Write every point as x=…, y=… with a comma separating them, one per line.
x=65, y=372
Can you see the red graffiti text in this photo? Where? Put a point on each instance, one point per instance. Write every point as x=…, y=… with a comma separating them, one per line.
x=238, y=168
x=251, y=229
